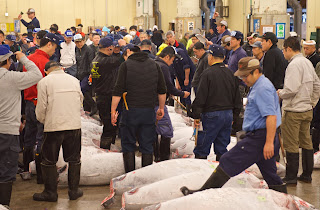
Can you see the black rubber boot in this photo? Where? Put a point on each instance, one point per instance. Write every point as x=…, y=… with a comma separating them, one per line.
x=156, y=150
x=50, y=175
x=165, y=148
x=5, y=193
x=129, y=161
x=105, y=142
x=38, y=159
x=292, y=168
x=315, y=139
x=147, y=159
x=73, y=181
x=307, y=165
x=280, y=188
x=200, y=157
x=94, y=110
x=27, y=158
x=217, y=179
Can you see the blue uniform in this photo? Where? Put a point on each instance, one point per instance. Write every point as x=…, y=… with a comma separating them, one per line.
x=35, y=22
x=217, y=39
x=262, y=102
x=234, y=58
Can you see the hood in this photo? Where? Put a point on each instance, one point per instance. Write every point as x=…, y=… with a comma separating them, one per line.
x=139, y=56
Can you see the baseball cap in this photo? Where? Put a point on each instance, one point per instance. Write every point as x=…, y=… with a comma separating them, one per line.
x=51, y=64
x=105, y=42
x=68, y=33
x=77, y=38
x=130, y=47
x=98, y=31
x=310, y=43
x=225, y=40
x=237, y=35
x=217, y=51
x=271, y=36
x=257, y=44
x=53, y=38
x=253, y=35
x=30, y=10
x=5, y=53
x=11, y=37
x=246, y=65
x=116, y=44
x=106, y=29
x=223, y=22
x=145, y=42
x=122, y=28
x=36, y=30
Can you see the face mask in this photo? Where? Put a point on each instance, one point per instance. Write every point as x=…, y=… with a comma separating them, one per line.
x=133, y=33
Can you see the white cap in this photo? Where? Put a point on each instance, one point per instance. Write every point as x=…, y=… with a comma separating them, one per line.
x=122, y=27
x=310, y=43
x=77, y=37
x=155, y=27
x=223, y=22
x=292, y=33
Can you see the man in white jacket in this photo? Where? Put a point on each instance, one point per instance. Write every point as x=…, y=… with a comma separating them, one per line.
x=300, y=94
x=58, y=108
x=11, y=85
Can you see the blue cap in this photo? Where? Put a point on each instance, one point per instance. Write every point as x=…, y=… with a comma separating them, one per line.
x=53, y=38
x=105, y=28
x=98, y=31
x=128, y=46
x=11, y=37
x=116, y=43
x=5, y=53
x=68, y=33
x=237, y=35
x=217, y=51
x=105, y=42
x=36, y=30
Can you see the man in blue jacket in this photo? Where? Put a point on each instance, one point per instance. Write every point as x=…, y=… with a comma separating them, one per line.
x=31, y=15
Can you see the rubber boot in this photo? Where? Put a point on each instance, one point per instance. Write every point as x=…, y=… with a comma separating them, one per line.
x=165, y=148
x=217, y=179
x=73, y=181
x=50, y=175
x=129, y=161
x=5, y=193
x=156, y=150
x=38, y=159
x=94, y=110
x=280, y=188
x=292, y=168
x=315, y=139
x=307, y=165
x=200, y=157
x=105, y=142
x=147, y=159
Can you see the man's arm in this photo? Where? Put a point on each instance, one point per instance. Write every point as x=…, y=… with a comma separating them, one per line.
x=271, y=125
x=186, y=76
x=292, y=83
x=25, y=23
x=42, y=102
x=316, y=90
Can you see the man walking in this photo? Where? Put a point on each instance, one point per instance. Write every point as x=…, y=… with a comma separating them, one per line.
x=62, y=127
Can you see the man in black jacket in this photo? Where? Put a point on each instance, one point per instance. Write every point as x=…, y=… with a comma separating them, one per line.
x=164, y=126
x=274, y=63
x=143, y=81
x=104, y=70
x=218, y=100
x=84, y=57
x=202, y=55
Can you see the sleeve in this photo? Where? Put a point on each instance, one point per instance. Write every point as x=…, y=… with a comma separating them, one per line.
x=269, y=63
x=266, y=102
x=237, y=100
x=42, y=102
x=120, y=86
x=184, y=61
x=213, y=26
x=197, y=75
x=292, y=82
x=25, y=23
x=316, y=90
x=201, y=97
x=162, y=88
x=32, y=76
x=171, y=88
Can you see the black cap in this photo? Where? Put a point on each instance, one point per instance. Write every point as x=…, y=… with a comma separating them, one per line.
x=50, y=64
x=53, y=38
x=271, y=36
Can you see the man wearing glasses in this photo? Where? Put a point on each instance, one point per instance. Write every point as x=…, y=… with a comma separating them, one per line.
x=260, y=144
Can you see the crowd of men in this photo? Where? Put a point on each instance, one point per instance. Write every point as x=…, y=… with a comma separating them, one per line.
x=129, y=77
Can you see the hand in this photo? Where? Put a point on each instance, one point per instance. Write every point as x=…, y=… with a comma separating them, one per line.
x=186, y=94
x=114, y=116
x=196, y=123
x=186, y=82
x=278, y=92
x=209, y=43
x=160, y=114
x=19, y=16
x=268, y=151
x=19, y=55
x=178, y=85
x=215, y=15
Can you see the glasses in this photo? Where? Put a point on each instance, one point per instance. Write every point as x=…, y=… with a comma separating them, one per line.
x=245, y=76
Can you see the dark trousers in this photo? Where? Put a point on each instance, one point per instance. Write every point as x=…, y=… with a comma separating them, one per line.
x=186, y=101
x=9, y=155
x=249, y=151
x=33, y=129
x=104, y=107
x=138, y=122
x=217, y=130
x=71, y=145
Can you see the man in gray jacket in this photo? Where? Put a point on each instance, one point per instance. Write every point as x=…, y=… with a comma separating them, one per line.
x=11, y=85
x=300, y=93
